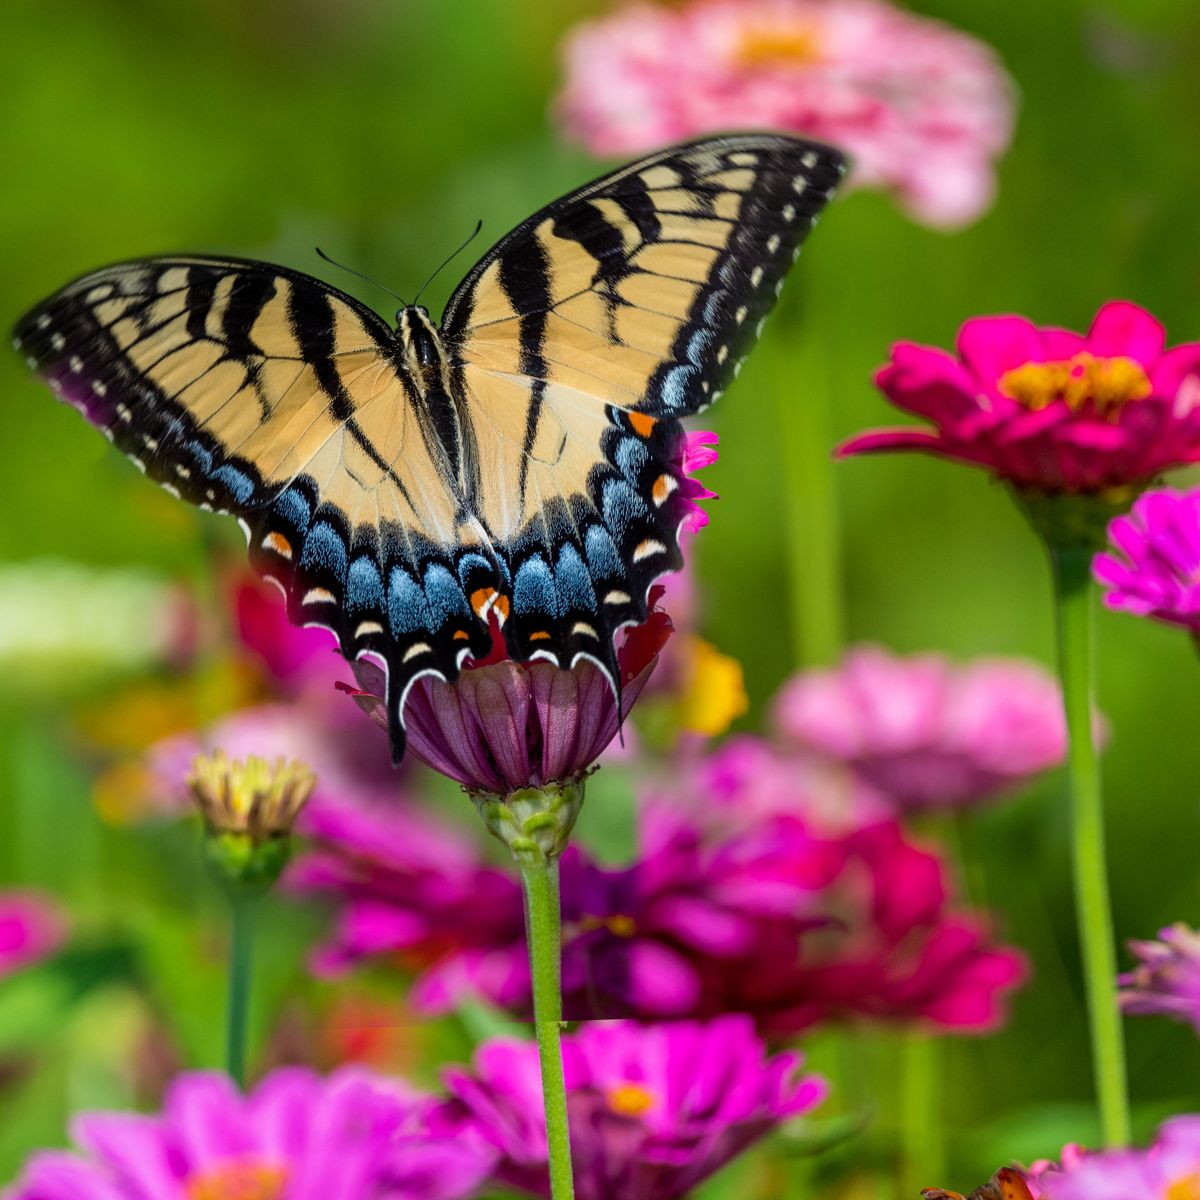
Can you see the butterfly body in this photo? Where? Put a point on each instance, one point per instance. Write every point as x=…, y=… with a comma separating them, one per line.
x=412, y=488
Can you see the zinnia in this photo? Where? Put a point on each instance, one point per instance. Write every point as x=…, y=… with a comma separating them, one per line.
x=1152, y=568
x=922, y=108
x=354, y=1136
x=32, y=927
x=926, y=733
x=654, y=1110
x=1167, y=980
x=1048, y=410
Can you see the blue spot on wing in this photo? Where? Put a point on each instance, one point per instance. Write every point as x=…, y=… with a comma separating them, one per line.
x=574, y=585
x=603, y=559
x=621, y=506
x=364, y=587
x=443, y=595
x=407, y=610
x=240, y=485
x=533, y=589
x=324, y=548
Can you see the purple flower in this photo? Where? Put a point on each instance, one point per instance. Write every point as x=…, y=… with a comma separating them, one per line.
x=1153, y=566
x=1167, y=980
x=1167, y=1170
x=353, y=1136
x=924, y=732
x=653, y=1110
x=32, y=927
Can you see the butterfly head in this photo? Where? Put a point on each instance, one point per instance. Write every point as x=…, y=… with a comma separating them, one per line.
x=419, y=341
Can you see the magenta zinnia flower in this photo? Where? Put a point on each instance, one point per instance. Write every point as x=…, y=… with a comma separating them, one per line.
x=1167, y=980
x=1050, y=410
x=352, y=1136
x=32, y=927
x=654, y=1110
x=924, y=732
x=1153, y=566
x=923, y=109
x=1167, y=1170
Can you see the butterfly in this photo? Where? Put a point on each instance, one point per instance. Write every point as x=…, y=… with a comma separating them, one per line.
x=412, y=487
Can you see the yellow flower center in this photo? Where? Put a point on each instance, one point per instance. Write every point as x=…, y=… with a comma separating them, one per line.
x=1108, y=384
x=1184, y=1189
x=773, y=45
x=632, y=1100
x=619, y=925
x=238, y=1181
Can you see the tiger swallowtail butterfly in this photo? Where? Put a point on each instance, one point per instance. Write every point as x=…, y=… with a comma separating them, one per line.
x=410, y=487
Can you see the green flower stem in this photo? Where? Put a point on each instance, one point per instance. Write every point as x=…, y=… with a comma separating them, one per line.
x=922, y=1150
x=1071, y=565
x=243, y=906
x=804, y=390
x=539, y=880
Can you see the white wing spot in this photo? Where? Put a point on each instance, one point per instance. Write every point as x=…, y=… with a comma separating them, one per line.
x=123, y=414
x=318, y=595
x=75, y=363
x=584, y=628
x=617, y=598
x=743, y=158
x=30, y=361
x=182, y=471
x=58, y=341
x=648, y=549
x=779, y=287
x=366, y=628
x=137, y=462
x=789, y=212
x=756, y=276
x=102, y=292
x=150, y=443
x=740, y=315
x=737, y=368
x=809, y=160
x=43, y=322
x=172, y=489
x=99, y=387
x=758, y=330
x=417, y=649
x=773, y=243
x=722, y=354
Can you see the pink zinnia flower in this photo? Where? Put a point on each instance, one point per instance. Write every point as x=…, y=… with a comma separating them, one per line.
x=1050, y=410
x=653, y=1110
x=32, y=927
x=924, y=732
x=1153, y=566
x=353, y=1136
x=1167, y=1170
x=1167, y=980
x=923, y=109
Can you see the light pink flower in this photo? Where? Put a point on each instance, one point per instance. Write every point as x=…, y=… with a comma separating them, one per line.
x=1153, y=566
x=1047, y=409
x=924, y=732
x=1167, y=980
x=32, y=927
x=923, y=109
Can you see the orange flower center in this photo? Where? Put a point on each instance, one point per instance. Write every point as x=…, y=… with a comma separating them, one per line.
x=774, y=45
x=1108, y=384
x=1184, y=1189
x=619, y=925
x=238, y=1181
x=633, y=1100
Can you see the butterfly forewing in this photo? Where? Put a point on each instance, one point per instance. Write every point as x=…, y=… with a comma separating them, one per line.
x=586, y=333
x=572, y=349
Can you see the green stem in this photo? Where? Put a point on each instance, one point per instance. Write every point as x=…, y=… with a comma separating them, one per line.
x=539, y=880
x=805, y=401
x=1073, y=596
x=243, y=911
x=921, y=1148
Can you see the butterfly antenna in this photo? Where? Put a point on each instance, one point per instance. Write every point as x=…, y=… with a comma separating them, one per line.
x=342, y=267
x=449, y=260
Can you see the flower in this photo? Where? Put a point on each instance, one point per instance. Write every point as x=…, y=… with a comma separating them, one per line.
x=354, y=1135
x=922, y=108
x=504, y=726
x=1167, y=980
x=1046, y=409
x=926, y=733
x=1006, y=1184
x=745, y=897
x=250, y=796
x=1153, y=566
x=31, y=928
x=653, y=1110
x=1167, y=1170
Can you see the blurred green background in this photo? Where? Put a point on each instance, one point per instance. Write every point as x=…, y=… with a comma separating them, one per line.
x=381, y=131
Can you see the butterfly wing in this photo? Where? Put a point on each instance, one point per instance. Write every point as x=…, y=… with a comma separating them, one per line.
x=262, y=392
x=584, y=335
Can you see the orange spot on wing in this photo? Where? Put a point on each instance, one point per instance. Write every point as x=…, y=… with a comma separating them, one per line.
x=502, y=608
x=461, y=635
x=664, y=485
x=278, y=543
x=539, y=635
x=642, y=424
